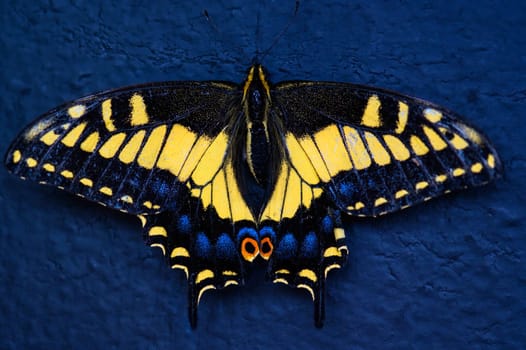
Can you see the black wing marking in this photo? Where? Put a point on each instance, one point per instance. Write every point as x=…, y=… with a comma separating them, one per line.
x=375, y=151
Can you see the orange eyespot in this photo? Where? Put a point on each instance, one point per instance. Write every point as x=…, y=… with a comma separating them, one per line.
x=265, y=248
x=249, y=249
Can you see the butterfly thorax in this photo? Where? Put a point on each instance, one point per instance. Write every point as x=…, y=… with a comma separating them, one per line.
x=256, y=104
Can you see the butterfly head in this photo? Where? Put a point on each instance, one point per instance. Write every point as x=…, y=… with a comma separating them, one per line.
x=256, y=81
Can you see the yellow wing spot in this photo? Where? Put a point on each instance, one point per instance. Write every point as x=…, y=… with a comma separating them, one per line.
x=356, y=147
x=403, y=113
x=331, y=267
x=73, y=136
x=76, y=111
x=204, y=289
x=37, y=129
x=203, y=275
x=379, y=153
x=380, y=201
x=49, y=137
x=300, y=161
x=127, y=199
x=332, y=149
x=106, y=115
x=90, y=143
x=317, y=192
x=491, y=161
x=48, y=167
x=240, y=210
x=421, y=185
x=106, y=190
x=112, y=145
x=274, y=209
x=457, y=141
x=180, y=251
x=16, y=156
x=220, y=196
x=359, y=205
x=432, y=115
x=434, y=139
x=309, y=274
x=292, y=200
x=211, y=160
x=158, y=231
x=280, y=280
x=143, y=220
x=67, y=174
x=147, y=204
x=230, y=282
x=181, y=267
x=471, y=134
x=458, y=172
x=308, y=288
x=440, y=178
x=159, y=245
x=371, y=115
x=138, y=110
x=331, y=251
x=129, y=151
x=86, y=182
x=156, y=206
x=476, y=168
x=229, y=273
x=197, y=151
x=176, y=149
x=206, y=196
x=339, y=233
x=31, y=162
x=283, y=271
x=401, y=193
x=418, y=146
x=306, y=195
x=315, y=157
x=148, y=156
x=398, y=149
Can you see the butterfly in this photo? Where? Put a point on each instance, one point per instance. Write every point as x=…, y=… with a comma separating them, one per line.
x=223, y=175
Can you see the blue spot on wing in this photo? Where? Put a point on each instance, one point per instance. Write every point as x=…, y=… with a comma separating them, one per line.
x=225, y=247
x=327, y=225
x=288, y=247
x=247, y=232
x=184, y=225
x=310, y=246
x=267, y=231
x=203, y=247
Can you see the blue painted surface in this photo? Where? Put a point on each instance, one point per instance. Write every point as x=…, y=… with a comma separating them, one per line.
x=445, y=275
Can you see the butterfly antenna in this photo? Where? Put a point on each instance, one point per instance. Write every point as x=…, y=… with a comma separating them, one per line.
x=224, y=40
x=210, y=21
x=281, y=33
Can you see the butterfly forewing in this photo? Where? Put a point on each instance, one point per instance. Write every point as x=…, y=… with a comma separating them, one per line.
x=130, y=149
x=376, y=151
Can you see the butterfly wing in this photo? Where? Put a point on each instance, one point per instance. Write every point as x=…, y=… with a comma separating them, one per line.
x=158, y=151
x=364, y=152
x=375, y=151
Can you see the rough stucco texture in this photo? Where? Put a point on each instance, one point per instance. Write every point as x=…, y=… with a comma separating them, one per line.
x=445, y=275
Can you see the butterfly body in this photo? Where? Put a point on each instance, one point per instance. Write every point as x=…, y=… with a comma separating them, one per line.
x=223, y=175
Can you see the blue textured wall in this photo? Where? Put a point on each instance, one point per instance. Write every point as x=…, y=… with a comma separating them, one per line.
x=445, y=275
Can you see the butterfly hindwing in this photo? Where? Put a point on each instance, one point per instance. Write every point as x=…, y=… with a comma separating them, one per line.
x=159, y=151
x=375, y=151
